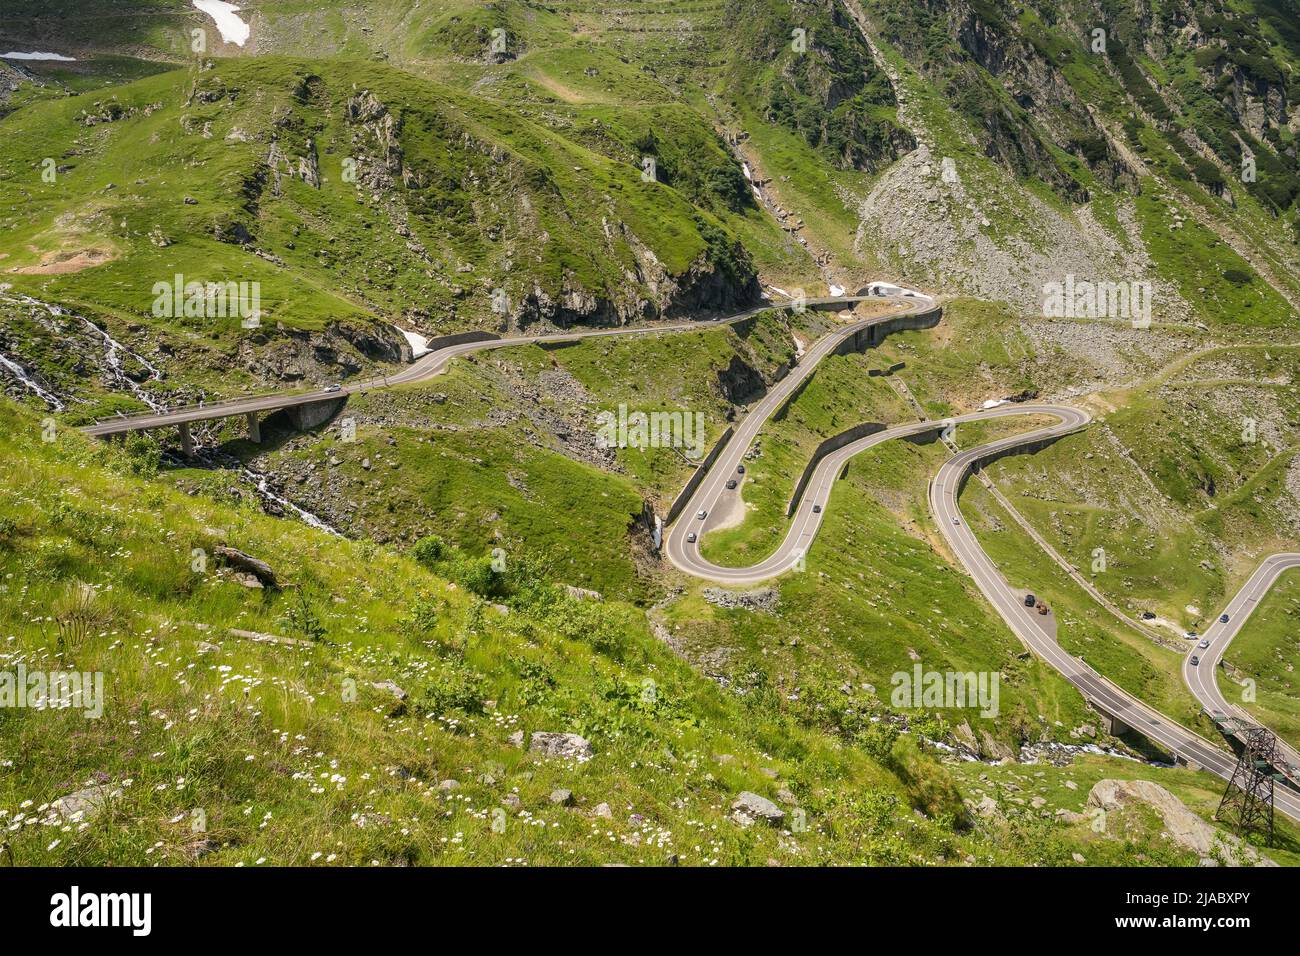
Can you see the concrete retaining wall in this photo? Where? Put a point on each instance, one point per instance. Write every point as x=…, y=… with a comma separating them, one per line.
x=1026, y=449
x=834, y=443
x=684, y=496
x=459, y=338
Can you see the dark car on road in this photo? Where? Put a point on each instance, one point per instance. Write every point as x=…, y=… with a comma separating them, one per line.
x=1223, y=619
x=740, y=469
x=817, y=509
x=1030, y=600
x=1195, y=660
x=731, y=483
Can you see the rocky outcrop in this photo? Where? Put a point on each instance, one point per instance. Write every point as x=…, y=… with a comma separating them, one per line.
x=763, y=599
x=564, y=746
x=740, y=382
x=84, y=805
x=282, y=354
x=1183, y=827
x=246, y=563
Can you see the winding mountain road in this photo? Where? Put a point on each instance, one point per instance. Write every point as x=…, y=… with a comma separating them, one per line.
x=683, y=550
x=682, y=543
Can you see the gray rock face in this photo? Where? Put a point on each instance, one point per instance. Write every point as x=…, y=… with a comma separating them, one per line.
x=1183, y=826
x=763, y=599
x=750, y=807
x=567, y=746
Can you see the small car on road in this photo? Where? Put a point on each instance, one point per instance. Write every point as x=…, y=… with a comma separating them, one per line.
x=333, y=387
x=702, y=515
x=1203, y=645
x=1030, y=600
x=731, y=483
x=740, y=469
x=1223, y=619
x=1195, y=660
x=817, y=509
x=690, y=538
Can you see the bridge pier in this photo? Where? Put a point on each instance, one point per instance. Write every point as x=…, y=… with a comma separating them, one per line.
x=1114, y=726
x=254, y=429
x=187, y=440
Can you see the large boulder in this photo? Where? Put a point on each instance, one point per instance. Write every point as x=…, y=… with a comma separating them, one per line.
x=750, y=807
x=241, y=561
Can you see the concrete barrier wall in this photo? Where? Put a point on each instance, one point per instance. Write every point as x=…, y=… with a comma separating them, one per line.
x=834, y=443
x=459, y=338
x=684, y=495
x=1026, y=449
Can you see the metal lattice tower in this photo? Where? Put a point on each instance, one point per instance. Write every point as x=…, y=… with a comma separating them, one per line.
x=1247, y=802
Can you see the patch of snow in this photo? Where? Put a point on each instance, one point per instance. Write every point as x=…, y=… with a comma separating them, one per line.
x=886, y=288
x=232, y=29
x=837, y=290
x=419, y=344
x=744, y=168
x=994, y=402
x=37, y=56
x=781, y=292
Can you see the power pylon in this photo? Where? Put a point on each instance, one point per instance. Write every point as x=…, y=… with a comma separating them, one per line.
x=1247, y=802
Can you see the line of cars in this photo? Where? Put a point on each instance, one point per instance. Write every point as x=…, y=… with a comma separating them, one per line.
x=1205, y=641
x=692, y=537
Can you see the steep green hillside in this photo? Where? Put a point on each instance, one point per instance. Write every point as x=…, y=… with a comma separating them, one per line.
x=370, y=721
x=1181, y=490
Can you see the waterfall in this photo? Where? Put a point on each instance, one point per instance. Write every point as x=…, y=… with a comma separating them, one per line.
x=113, y=352
x=26, y=379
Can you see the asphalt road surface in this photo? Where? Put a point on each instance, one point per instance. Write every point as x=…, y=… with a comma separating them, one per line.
x=1201, y=677
x=709, y=495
